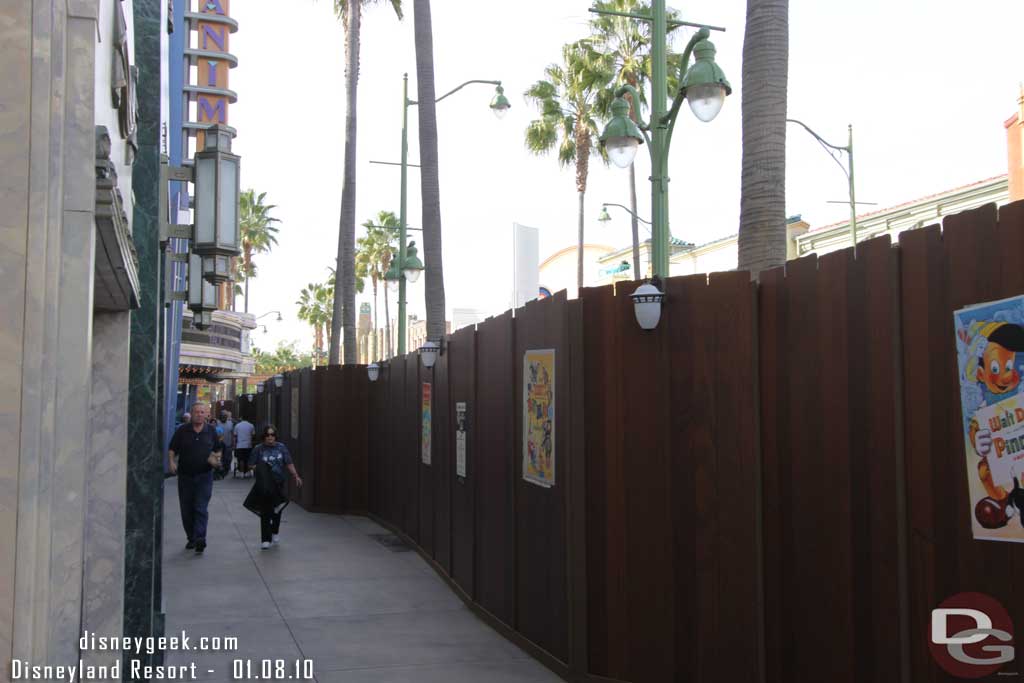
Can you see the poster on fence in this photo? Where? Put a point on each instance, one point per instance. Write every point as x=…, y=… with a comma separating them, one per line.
x=460, y=440
x=539, y=417
x=425, y=456
x=990, y=359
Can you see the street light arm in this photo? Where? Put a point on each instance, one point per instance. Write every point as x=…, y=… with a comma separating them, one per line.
x=684, y=64
x=458, y=88
x=825, y=144
x=627, y=210
x=672, y=23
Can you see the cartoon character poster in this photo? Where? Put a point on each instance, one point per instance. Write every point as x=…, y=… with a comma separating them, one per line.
x=425, y=456
x=990, y=356
x=539, y=417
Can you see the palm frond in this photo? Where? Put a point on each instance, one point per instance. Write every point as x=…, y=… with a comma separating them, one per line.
x=541, y=136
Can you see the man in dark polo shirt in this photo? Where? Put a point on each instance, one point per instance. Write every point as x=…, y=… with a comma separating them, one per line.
x=194, y=453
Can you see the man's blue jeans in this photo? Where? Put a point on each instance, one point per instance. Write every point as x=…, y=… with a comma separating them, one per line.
x=194, y=491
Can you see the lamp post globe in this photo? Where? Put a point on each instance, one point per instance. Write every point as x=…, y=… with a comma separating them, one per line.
x=413, y=266
x=500, y=104
x=704, y=85
x=391, y=277
x=621, y=137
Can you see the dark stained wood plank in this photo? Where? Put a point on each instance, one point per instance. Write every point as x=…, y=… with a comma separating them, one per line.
x=738, y=617
x=774, y=411
x=495, y=529
x=921, y=285
x=444, y=454
x=605, y=632
x=650, y=584
x=462, y=362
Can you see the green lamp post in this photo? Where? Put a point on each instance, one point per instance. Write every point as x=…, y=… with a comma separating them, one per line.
x=406, y=265
x=703, y=85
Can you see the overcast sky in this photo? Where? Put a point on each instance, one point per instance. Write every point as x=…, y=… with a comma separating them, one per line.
x=927, y=85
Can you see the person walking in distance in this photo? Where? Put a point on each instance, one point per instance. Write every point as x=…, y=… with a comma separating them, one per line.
x=270, y=459
x=244, y=431
x=193, y=454
x=228, y=436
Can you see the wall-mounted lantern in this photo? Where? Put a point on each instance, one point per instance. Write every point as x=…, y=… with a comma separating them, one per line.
x=373, y=371
x=429, y=352
x=202, y=295
x=278, y=380
x=647, y=301
x=216, y=236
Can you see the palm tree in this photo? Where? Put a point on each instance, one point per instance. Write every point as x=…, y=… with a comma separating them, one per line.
x=629, y=41
x=762, y=234
x=430, y=190
x=315, y=302
x=374, y=256
x=344, y=313
x=570, y=98
x=257, y=232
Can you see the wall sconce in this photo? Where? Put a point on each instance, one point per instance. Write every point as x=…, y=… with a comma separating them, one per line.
x=373, y=371
x=647, y=301
x=216, y=235
x=429, y=352
x=278, y=380
x=202, y=295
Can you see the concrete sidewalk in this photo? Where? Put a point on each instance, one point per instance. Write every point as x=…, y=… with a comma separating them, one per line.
x=329, y=593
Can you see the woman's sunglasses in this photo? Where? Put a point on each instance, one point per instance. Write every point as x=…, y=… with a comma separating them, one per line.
x=270, y=434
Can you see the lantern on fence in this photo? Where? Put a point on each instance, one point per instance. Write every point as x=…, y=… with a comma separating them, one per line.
x=429, y=352
x=647, y=304
x=373, y=371
x=278, y=380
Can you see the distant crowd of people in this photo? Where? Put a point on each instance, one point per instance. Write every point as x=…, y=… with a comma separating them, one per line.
x=203, y=449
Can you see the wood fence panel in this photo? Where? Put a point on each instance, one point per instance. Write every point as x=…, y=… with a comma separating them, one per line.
x=973, y=260
x=461, y=374
x=541, y=582
x=650, y=589
x=377, y=447
x=714, y=477
x=607, y=623
x=774, y=404
x=495, y=529
x=409, y=455
x=305, y=411
x=397, y=443
x=355, y=476
x=444, y=465
x=426, y=485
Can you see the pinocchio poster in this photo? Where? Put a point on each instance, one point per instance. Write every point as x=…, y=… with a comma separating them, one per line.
x=990, y=358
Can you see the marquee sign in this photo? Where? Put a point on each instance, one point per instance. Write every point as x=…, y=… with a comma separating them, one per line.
x=211, y=57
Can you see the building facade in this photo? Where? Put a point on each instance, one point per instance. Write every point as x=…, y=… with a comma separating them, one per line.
x=78, y=131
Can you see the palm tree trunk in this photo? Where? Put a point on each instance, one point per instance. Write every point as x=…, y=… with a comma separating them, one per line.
x=636, y=224
x=246, y=293
x=582, y=170
x=387, y=323
x=430, y=190
x=343, y=320
x=762, y=233
x=375, y=356
x=579, y=249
